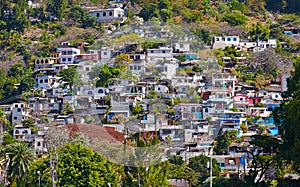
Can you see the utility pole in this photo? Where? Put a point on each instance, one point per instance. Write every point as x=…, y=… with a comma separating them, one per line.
x=210, y=171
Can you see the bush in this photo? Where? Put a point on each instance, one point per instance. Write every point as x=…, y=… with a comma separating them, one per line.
x=235, y=18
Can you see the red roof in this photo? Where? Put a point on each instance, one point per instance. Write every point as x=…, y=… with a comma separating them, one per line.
x=96, y=132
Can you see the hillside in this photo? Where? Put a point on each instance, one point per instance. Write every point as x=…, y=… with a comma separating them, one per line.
x=35, y=30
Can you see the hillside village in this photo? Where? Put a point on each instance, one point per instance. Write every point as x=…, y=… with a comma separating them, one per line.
x=171, y=91
x=153, y=79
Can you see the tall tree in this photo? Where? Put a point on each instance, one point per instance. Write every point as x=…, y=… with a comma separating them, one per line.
x=199, y=165
x=287, y=117
x=81, y=166
x=57, y=7
x=263, y=157
x=70, y=75
x=20, y=156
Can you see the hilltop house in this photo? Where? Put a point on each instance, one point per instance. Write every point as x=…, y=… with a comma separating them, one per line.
x=67, y=54
x=109, y=15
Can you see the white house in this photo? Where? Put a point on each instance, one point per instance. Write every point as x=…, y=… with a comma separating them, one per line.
x=267, y=43
x=106, y=54
x=181, y=47
x=47, y=82
x=67, y=54
x=162, y=53
x=159, y=88
x=225, y=41
x=109, y=15
x=20, y=132
x=19, y=112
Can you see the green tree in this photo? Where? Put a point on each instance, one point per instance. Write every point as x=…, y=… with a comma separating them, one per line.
x=57, y=7
x=9, y=88
x=104, y=74
x=79, y=15
x=223, y=141
x=287, y=117
x=152, y=172
x=20, y=156
x=69, y=75
x=81, y=166
x=259, y=32
x=239, y=6
x=68, y=109
x=27, y=83
x=176, y=160
x=16, y=71
x=137, y=109
x=3, y=122
x=29, y=123
x=264, y=151
x=204, y=35
x=149, y=11
x=199, y=165
x=17, y=19
x=236, y=18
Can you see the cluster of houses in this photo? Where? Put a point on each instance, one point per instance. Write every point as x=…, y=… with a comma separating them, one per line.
x=191, y=125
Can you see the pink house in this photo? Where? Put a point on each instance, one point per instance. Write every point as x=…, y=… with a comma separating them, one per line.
x=241, y=99
x=254, y=100
x=85, y=57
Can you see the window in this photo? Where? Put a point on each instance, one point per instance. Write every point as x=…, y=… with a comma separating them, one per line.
x=181, y=45
x=104, y=14
x=234, y=39
x=158, y=88
x=41, y=81
x=185, y=115
x=241, y=99
x=166, y=68
x=25, y=132
x=228, y=39
x=63, y=59
x=38, y=143
x=15, y=118
x=69, y=59
x=98, y=15
x=139, y=67
x=193, y=109
x=183, y=89
x=69, y=52
x=64, y=52
x=90, y=93
x=110, y=13
x=100, y=91
x=104, y=53
x=87, y=69
x=151, y=51
x=19, y=110
x=163, y=51
x=17, y=132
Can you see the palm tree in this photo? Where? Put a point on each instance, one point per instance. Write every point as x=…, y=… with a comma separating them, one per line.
x=19, y=159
